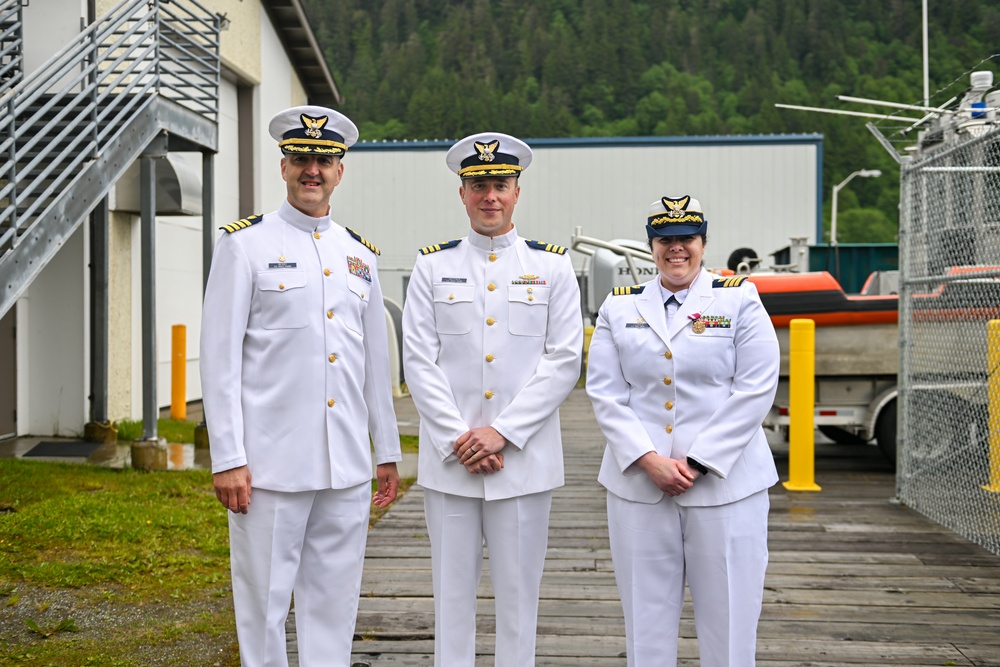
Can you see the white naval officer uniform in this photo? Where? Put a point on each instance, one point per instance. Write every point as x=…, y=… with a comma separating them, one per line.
x=492, y=336
x=295, y=377
x=687, y=394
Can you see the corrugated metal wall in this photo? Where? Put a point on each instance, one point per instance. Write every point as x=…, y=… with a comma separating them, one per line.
x=757, y=192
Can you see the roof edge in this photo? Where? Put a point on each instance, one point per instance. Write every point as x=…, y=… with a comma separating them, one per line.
x=609, y=142
x=317, y=52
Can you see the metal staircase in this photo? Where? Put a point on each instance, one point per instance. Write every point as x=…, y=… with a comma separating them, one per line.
x=145, y=71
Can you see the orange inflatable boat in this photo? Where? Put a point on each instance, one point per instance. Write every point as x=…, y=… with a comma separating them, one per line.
x=819, y=297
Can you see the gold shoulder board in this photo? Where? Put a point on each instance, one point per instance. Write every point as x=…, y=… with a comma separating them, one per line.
x=732, y=281
x=363, y=241
x=242, y=224
x=629, y=289
x=547, y=247
x=426, y=250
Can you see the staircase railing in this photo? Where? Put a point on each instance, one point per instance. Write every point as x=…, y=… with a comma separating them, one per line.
x=56, y=122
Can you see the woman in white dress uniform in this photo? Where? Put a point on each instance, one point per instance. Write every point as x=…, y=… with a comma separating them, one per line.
x=682, y=371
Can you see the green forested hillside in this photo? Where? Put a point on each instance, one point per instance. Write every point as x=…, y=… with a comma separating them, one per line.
x=438, y=69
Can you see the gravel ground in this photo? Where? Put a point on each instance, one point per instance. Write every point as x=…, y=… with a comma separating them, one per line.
x=125, y=634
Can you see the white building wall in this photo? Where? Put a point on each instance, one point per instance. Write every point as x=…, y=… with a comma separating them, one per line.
x=227, y=176
x=756, y=195
x=52, y=345
x=49, y=27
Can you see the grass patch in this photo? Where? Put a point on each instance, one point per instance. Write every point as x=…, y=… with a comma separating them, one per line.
x=110, y=567
x=408, y=443
x=172, y=430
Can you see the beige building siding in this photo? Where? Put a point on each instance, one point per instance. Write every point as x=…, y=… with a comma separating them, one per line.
x=240, y=43
x=120, y=373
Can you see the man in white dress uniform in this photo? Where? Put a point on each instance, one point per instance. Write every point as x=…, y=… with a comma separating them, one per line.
x=682, y=371
x=492, y=340
x=296, y=377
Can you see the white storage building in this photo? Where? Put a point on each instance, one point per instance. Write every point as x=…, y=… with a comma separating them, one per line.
x=758, y=192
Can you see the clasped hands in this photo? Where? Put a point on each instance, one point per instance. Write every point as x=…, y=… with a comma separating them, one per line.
x=672, y=476
x=478, y=450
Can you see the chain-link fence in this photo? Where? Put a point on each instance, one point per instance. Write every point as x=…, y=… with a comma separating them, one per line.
x=948, y=456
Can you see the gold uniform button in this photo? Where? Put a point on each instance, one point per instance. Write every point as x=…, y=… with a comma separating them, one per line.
x=493, y=257
x=531, y=298
x=329, y=314
x=488, y=394
x=489, y=357
x=315, y=235
x=667, y=380
x=490, y=321
x=326, y=272
x=331, y=402
x=451, y=296
x=333, y=358
x=670, y=429
x=530, y=290
x=668, y=354
x=281, y=285
x=669, y=405
x=491, y=287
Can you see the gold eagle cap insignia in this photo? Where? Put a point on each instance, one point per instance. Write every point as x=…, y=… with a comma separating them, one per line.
x=486, y=150
x=313, y=125
x=675, y=207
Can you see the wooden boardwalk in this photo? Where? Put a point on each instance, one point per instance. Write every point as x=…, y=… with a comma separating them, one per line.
x=854, y=579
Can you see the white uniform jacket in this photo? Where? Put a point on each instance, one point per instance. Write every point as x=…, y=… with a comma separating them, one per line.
x=682, y=393
x=294, y=363
x=492, y=336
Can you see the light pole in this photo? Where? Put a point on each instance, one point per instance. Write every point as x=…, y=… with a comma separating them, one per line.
x=863, y=173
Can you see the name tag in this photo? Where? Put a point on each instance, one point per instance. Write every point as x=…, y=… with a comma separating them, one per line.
x=454, y=280
x=636, y=325
x=281, y=265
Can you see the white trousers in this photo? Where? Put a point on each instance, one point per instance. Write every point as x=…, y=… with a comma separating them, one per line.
x=312, y=542
x=723, y=552
x=516, y=532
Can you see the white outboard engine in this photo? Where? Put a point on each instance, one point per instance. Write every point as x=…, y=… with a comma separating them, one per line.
x=609, y=269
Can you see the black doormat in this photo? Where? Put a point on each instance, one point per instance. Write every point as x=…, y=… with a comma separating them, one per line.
x=63, y=448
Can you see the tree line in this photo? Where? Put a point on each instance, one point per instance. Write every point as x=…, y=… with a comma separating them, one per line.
x=442, y=69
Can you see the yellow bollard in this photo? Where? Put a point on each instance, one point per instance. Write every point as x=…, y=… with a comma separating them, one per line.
x=993, y=394
x=802, y=406
x=178, y=372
